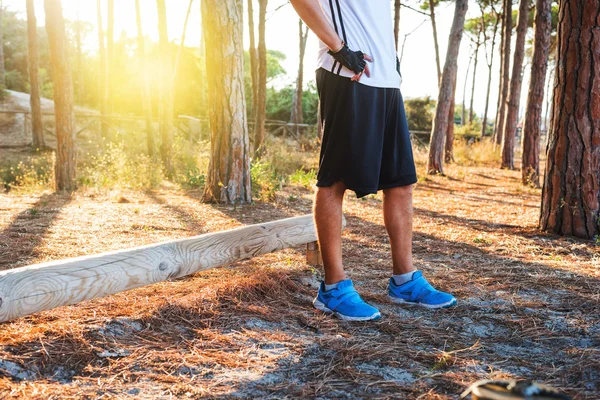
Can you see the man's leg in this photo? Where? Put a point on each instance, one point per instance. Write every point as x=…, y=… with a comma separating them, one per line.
x=407, y=284
x=398, y=219
x=328, y=219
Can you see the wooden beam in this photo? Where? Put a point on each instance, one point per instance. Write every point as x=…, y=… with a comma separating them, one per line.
x=35, y=288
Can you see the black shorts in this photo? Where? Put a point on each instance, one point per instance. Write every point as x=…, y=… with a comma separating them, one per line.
x=366, y=142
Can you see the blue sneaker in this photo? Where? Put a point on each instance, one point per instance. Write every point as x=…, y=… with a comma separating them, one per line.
x=418, y=291
x=345, y=303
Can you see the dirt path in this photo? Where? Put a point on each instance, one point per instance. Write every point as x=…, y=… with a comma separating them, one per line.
x=528, y=302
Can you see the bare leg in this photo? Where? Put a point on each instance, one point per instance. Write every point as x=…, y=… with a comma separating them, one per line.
x=398, y=219
x=328, y=219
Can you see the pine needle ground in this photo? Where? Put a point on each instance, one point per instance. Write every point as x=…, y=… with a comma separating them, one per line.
x=528, y=301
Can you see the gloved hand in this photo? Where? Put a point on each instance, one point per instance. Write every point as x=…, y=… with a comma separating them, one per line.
x=353, y=60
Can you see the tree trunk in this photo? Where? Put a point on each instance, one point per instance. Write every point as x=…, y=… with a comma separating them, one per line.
x=530, y=169
x=449, y=145
x=296, y=116
x=37, y=129
x=65, y=168
x=500, y=80
x=442, y=110
x=253, y=58
x=514, y=95
x=228, y=178
x=103, y=79
x=463, y=115
x=261, y=101
x=571, y=194
x=506, y=45
x=2, y=72
x=397, y=6
x=110, y=50
x=477, y=46
x=181, y=43
x=165, y=106
x=146, y=99
x=490, y=64
x=79, y=89
x=435, y=41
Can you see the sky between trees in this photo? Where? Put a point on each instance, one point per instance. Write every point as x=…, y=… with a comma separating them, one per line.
x=418, y=65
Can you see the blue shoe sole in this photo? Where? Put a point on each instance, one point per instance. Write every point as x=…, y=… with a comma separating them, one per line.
x=448, y=304
x=322, y=307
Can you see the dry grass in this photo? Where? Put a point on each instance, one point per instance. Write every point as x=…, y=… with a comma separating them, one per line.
x=528, y=302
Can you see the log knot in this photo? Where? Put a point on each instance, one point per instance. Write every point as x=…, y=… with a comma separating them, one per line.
x=163, y=266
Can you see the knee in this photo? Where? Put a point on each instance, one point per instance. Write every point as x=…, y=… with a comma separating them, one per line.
x=336, y=190
x=399, y=191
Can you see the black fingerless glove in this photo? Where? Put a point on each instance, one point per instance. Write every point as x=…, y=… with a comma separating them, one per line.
x=353, y=60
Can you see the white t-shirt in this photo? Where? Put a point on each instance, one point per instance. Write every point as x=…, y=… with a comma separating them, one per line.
x=364, y=25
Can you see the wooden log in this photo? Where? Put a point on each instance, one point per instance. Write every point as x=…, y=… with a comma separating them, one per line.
x=313, y=254
x=35, y=288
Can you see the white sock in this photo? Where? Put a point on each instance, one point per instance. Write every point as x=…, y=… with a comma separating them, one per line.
x=330, y=287
x=403, y=278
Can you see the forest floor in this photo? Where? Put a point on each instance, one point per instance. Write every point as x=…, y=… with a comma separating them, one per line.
x=528, y=302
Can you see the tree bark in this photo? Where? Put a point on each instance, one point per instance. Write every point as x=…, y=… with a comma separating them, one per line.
x=530, y=169
x=165, y=107
x=435, y=41
x=514, y=95
x=146, y=99
x=37, y=129
x=65, y=168
x=2, y=72
x=449, y=144
x=110, y=52
x=397, y=6
x=296, y=115
x=103, y=79
x=442, y=110
x=253, y=57
x=228, y=178
x=506, y=45
x=261, y=100
x=490, y=64
x=571, y=194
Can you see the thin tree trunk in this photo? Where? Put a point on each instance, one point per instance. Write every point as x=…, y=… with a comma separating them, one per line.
x=253, y=58
x=110, y=50
x=296, y=115
x=490, y=64
x=146, y=99
x=500, y=80
x=103, y=78
x=530, y=169
x=506, y=43
x=261, y=100
x=571, y=194
x=435, y=41
x=442, y=110
x=228, y=178
x=514, y=95
x=79, y=89
x=477, y=46
x=449, y=144
x=397, y=6
x=165, y=107
x=463, y=115
x=65, y=168
x=37, y=129
x=181, y=43
x=2, y=72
